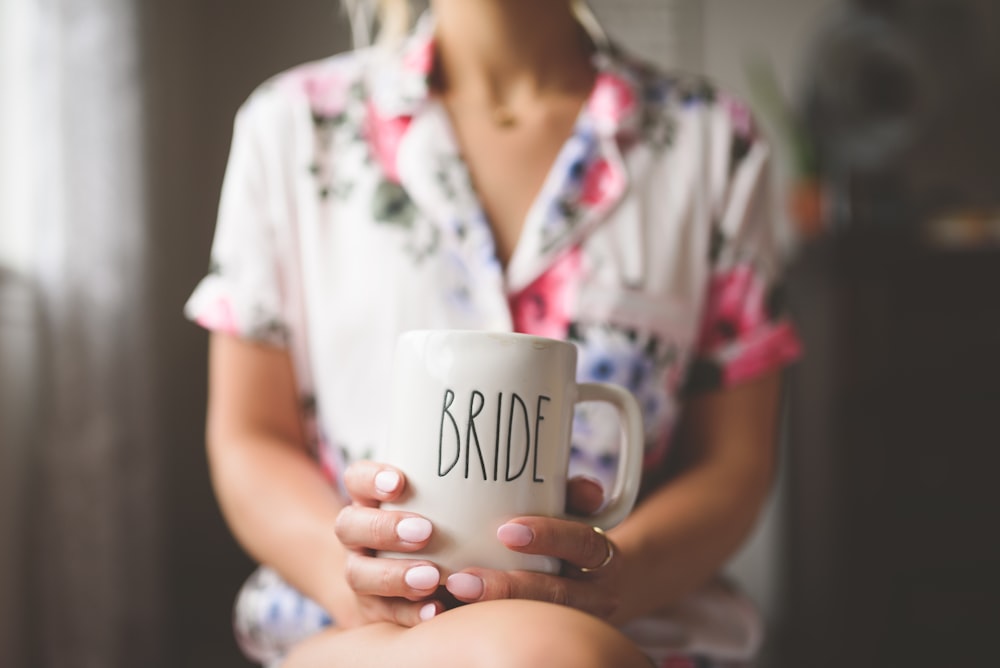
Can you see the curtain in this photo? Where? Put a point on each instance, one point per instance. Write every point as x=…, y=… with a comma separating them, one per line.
x=115, y=118
x=85, y=543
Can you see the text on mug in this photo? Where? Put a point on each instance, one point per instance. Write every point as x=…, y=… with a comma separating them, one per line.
x=450, y=443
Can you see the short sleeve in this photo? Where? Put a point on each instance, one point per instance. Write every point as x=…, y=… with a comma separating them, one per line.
x=745, y=331
x=242, y=294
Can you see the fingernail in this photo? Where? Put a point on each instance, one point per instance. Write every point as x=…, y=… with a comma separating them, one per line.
x=414, y=529
x=428, y=612
x=515, y=535
x=465, y=586
x=386, y=481
x=422, y=577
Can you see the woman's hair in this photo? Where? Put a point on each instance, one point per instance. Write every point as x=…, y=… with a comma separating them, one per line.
x=395, y=16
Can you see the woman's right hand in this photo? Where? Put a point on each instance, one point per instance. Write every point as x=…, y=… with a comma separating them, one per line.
x=388, y=590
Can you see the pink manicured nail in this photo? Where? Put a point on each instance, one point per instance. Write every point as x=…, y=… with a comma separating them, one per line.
x=422, y=577
x=515, y=535
x=387, y=481
x=428, y=612
x=414, y=529
x=465, y=586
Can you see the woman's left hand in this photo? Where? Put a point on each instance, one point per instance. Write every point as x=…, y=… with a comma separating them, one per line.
x=578, y=545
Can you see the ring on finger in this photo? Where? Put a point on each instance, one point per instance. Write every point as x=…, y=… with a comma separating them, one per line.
x=610, y=552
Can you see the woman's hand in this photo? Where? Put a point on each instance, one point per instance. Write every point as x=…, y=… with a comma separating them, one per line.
x=578, y=545
x=388, y=590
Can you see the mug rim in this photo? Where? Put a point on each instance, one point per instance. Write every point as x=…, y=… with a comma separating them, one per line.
x=516, y=336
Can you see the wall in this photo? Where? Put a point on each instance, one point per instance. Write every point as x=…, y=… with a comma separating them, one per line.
x=667, y=32
x=204, y=59
x=779, y=30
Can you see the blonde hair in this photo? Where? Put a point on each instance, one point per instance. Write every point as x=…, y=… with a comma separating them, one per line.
x=394, y=18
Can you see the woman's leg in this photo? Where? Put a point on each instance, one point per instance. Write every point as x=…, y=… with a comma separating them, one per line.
x=498, y=634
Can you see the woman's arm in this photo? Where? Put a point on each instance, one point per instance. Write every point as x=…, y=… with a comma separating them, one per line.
x=683, y=533
x=285, y=513
x=272, y=493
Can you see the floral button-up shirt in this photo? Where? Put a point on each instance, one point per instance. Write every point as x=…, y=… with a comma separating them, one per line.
x=348, y=216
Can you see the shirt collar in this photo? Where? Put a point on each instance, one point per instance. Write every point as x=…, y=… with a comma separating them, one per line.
x=400, y=83
x=587, y=181
x=400, y=76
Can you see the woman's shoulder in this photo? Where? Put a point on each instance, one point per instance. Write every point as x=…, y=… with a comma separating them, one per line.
x=323, y=87
x=680, y=93
x=669, y=83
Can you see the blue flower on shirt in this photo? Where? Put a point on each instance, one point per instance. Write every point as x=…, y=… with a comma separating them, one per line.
x=611, y=354
x=566, y=201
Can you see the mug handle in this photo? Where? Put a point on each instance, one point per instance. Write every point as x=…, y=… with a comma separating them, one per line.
x=630, y=454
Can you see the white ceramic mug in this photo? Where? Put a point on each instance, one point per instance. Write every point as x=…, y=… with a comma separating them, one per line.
x=480, y=424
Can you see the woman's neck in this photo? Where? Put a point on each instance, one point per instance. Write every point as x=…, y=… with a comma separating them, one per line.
x=503, y=50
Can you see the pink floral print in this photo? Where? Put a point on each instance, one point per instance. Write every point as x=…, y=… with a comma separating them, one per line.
x=612, y=100
x=420, y=58
x=740, y=116
x=734, y=309
x=326, y=90
x=739, y=332
x=543, y=308
x=601, y=185
x=219, y=316
x=772, y=348
x=385, y=134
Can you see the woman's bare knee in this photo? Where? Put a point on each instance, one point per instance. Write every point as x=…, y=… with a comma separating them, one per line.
x=364, y=647
x=526, y=634
x=498, y=634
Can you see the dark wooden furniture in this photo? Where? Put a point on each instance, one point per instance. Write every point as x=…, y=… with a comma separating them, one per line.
x=894, y=505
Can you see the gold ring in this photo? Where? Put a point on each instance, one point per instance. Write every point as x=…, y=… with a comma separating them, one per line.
x=610, y=555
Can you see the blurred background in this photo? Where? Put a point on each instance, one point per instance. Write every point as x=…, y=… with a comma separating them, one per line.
x=880, y=547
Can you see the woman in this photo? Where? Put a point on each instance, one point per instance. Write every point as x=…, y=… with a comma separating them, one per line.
x=501, y=168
